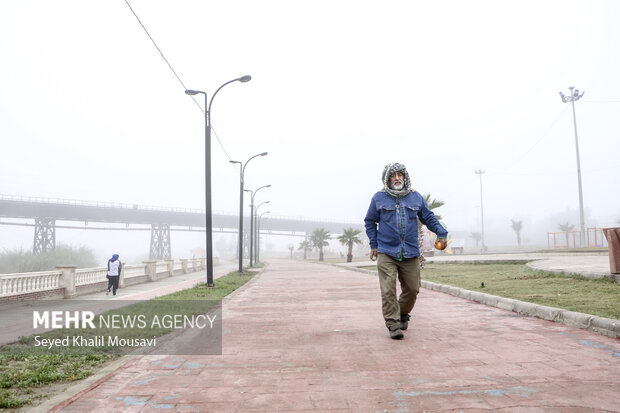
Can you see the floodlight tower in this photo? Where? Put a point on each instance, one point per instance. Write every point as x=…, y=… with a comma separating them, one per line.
x=479, y=172
x=572, y=97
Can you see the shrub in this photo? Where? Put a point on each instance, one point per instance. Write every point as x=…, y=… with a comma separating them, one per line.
x=18, y=260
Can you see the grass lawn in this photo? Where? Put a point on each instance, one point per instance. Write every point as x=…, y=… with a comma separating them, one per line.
x=340, y=260
x=30, y=374
x=600, y=297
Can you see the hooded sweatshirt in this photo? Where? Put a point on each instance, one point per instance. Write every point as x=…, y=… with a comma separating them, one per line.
x=114, y=266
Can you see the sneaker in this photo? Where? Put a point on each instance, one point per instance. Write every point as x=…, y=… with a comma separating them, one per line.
x=107, y=292
x=396, y=334
x=404, y=321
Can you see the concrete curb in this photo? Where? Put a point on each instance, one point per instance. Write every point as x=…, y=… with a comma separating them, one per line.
x=606, y=326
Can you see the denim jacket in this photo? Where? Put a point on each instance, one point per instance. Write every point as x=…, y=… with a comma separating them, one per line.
x=397, y=229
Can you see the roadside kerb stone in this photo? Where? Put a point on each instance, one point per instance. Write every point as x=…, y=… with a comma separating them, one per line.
x=601, y=325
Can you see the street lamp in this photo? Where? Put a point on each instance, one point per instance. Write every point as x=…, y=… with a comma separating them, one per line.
x=574, y=95
x=257, y=232
x=208, y=212
x=479, y=172
x=258, y=238
x=241, y=180
x=252, y=217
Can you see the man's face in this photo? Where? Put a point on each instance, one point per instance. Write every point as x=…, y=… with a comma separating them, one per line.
x=397, y=181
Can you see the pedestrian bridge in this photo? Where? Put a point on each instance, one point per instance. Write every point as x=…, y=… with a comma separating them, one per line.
x=46, y=212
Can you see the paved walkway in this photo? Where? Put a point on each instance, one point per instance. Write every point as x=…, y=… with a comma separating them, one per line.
x=310, y=337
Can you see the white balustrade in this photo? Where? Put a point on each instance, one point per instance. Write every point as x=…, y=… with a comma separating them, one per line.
x=15, y=284
x=131, y=271
x=161, y=267
x=87, y=276
x=23, y=283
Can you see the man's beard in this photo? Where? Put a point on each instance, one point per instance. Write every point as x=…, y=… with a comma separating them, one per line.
x=398, y=187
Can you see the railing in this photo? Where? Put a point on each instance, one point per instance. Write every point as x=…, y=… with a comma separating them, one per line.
x=90, y=276
x=69, y=278
x=572, y=239
x=136, y=270
x=15, y=284
x=98, y=204
x=103, y=204
x=161, y=267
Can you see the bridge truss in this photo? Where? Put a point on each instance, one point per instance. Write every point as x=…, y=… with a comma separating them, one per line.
x=160, y=221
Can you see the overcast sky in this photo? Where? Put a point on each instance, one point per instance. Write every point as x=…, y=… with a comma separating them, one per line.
x=89, y=109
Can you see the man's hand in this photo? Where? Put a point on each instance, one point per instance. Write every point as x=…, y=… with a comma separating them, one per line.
x=373, y=254
x=441, y=244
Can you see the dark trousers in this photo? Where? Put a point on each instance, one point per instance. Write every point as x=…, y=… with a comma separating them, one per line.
x=113, y=283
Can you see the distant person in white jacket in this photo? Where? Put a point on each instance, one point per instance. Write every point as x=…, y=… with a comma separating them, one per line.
x=114, y=271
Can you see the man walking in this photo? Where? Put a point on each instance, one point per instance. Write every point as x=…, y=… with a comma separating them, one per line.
x=392, y=228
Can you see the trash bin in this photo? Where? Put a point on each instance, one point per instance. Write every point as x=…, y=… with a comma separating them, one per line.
x=613, y=240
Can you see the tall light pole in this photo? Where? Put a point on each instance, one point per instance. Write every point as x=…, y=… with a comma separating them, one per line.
x=208, y=211
x=257, y=232
x=241, y=181
x=258, y=238
x=573, y=96
x=479, y=172
x=252, y=218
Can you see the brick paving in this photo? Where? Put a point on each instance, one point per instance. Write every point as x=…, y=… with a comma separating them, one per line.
x=310, y=337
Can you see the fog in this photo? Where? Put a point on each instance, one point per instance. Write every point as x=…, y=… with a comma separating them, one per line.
x=90, y=110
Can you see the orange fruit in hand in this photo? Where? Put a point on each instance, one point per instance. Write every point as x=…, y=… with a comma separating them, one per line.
x=440, y=244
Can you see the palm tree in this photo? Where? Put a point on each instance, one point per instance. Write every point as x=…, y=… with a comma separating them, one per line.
x=566, y=228
x=432, y=204
x=306, y=246
x=319, y=239
x=516, y=227
x=477, y=237
x=348, y=238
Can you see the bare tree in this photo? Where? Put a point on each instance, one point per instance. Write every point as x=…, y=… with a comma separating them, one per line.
x=566, y=228
x=477, y=237
x=291, y=247
x=516, y=227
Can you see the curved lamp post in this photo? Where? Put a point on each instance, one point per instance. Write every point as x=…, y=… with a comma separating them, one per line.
x=258, y=238
x=257, y=232
x=208, y=212
x=241, y=175
x=252, y=193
